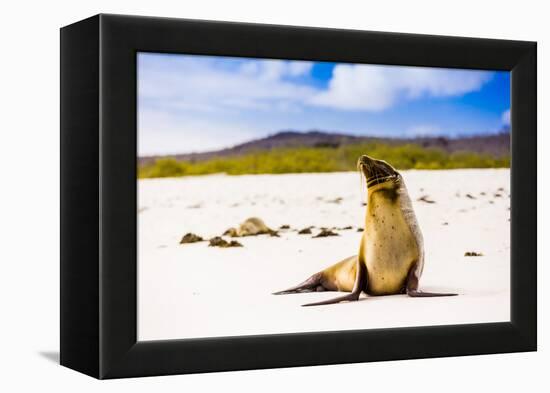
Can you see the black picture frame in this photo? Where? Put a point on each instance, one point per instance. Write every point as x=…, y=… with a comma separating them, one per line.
x=98, y=196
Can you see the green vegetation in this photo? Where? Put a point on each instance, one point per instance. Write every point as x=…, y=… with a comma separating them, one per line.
x=322, y=159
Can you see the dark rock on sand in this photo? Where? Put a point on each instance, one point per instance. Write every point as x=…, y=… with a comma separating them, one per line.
x=472, y=254
x=426, y=199
x=190, y=238
x=234, y=243
x=470, y=196
x=326, y=233
x=219, y=242
x=305, y=231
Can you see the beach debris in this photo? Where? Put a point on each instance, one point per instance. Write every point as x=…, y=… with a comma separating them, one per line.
x=445, y=223
x=470, y=196
x=234, y=243
x=219, y=242
x=500, y=189
x=195, y=206
x=285, y=226
x=360, y=229
x=482, y=193
x=491, y=202
x=472, y=254
x=426, y=199
x=326, y=233
x=335, y=200
x=497, y=195
x=346, y=228
x=252, y=226
x=190, y=238
x=305, y=231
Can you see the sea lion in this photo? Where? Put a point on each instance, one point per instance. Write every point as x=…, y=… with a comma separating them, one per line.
x=391, y=251
x=250, y=227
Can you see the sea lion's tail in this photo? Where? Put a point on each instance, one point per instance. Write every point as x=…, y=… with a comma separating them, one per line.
x=309, y=285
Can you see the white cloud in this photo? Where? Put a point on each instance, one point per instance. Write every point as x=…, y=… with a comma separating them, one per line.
x=271, y=69
x=375, y=88
x=208, y=85
x=189, y=103
x=506, y=117
x=163, y=133
x=298, y=68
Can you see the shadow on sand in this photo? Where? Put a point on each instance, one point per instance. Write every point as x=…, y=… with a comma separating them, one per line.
x=52, y=356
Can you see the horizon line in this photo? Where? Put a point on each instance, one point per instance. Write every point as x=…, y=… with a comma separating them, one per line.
x=504, y=130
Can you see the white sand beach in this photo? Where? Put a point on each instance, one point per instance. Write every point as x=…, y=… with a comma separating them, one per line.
x=193, y=290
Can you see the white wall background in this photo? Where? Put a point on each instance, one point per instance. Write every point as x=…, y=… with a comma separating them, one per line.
x=29, y=195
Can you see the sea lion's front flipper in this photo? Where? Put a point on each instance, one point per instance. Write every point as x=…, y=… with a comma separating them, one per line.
x=412, y=286
x=360, y=284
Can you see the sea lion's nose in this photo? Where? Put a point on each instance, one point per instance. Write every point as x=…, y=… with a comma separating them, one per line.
x=364, y=159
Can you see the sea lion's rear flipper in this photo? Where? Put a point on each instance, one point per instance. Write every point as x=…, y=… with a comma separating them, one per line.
x=416, y=293
x=358, y=286
x=346, y=298
x=309, y=285
x=412, y=286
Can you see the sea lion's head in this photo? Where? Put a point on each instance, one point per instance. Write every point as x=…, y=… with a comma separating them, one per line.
x=378, y=172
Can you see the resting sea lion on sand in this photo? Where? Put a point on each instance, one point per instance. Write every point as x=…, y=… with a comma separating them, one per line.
x=391, y=252
x=251, y=227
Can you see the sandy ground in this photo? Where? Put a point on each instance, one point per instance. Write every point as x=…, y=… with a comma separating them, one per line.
x=192, y=290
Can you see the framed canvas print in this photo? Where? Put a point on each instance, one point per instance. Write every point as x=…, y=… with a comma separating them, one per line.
x=239, y=196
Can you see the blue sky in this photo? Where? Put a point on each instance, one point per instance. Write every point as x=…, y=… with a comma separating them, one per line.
x=189, y=103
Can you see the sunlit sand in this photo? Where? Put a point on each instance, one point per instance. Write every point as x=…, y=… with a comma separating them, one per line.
x=193, y=290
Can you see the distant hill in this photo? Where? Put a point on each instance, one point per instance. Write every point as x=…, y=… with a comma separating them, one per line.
x=496, y=145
